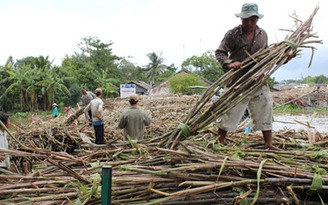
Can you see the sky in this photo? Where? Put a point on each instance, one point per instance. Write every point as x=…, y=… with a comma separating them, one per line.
x=174, y=29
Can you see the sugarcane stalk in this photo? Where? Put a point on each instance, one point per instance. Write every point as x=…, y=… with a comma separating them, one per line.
x=37, y=190
x=75, y=115
x=12, y=136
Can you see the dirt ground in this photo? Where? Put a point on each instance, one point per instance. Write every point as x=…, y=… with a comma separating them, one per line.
x=318, y=95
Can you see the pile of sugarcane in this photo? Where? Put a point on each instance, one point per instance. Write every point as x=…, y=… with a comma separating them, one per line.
x=200, y=172
x=263, y=64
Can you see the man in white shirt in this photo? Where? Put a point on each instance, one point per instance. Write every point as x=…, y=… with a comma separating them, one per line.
x=97, y=120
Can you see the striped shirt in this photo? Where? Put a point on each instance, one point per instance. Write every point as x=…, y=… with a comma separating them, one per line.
x=236, y=47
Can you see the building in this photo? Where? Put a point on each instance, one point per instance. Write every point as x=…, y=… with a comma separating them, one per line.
x=142, y=88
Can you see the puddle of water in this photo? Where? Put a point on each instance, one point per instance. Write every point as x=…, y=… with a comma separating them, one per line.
x=282, y=122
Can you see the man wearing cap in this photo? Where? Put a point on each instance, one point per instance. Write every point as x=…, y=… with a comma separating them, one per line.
x=237, y=44
x=96, y=107
x=86, y=98
x=133, y=120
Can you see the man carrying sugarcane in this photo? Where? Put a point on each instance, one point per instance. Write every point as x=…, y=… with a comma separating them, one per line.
x=237, y=45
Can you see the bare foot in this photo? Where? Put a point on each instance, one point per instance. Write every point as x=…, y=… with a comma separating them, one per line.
x=271, y=147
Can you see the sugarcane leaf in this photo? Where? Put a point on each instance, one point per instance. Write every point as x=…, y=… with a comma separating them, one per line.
x=78, y=202
x=321, y=200
x=316, y=184
x=222, y=166
x=291, y=44
x=258, y=180
x=244, y=201
x=185, y=130
x=319, y=155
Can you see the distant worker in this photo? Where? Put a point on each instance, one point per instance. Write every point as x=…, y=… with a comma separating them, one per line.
x=96, y=107
x=86, y=98
x=55, y=110
x=133, y=120
x=4, y=159
x=68, y=111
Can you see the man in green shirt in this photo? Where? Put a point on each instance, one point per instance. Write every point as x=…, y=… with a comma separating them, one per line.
x=133, y=120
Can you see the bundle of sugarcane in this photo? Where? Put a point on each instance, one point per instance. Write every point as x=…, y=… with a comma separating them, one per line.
x=263, y=64
x=199, y=177
x=193, y=174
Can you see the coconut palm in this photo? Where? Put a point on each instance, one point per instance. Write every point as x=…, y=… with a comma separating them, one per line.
x=155, y=67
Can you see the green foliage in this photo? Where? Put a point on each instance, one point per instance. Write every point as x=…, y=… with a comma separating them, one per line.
x=131, y=72
x=94, y=63
x=180, y=83
x=205, y=66
x=167, y=73
x=75, y=96
x=321, y=79
x=154, y=68
x=290, y=108
x=270, y=82
x=32, y=83
x=21, y=115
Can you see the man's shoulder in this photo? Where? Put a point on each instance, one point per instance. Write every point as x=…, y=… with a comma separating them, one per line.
x=235, y=30
x=98, y=100
x=91, y=93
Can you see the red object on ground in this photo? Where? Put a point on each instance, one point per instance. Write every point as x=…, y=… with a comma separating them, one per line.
x=299, y=102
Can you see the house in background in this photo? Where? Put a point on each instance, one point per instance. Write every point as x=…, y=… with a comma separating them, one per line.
x=163, y=88
x=142, y=88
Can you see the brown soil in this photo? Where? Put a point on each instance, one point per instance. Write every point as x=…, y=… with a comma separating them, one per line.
x=318, y=95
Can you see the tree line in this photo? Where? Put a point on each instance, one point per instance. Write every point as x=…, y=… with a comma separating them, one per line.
x=315, y=80
x=34, y=83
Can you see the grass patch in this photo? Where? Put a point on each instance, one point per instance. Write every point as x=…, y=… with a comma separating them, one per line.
x=294, y=109
x=25, y=117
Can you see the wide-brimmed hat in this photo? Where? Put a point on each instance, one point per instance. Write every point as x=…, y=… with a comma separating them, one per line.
x=248, y=10
x=54, y=104
x=134, y=97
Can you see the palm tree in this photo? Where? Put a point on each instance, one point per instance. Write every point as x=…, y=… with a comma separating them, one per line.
x=51, y=84
x=21, y=79
x=155, y=67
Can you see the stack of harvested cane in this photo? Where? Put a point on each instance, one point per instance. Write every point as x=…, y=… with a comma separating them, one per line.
x=265, y=61
x=195, y=174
